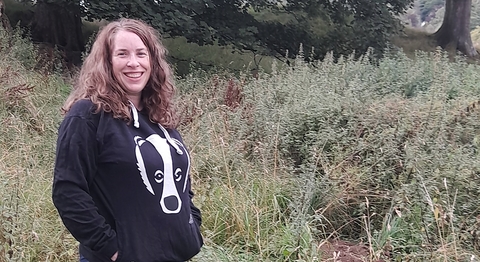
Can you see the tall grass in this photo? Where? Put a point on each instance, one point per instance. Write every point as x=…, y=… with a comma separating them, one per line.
x=30, y=229
x=382, y=154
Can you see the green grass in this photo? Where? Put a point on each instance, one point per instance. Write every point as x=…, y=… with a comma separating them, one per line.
x=413, y=40
x=382, y=154
x=30, y=229
x=188, y=57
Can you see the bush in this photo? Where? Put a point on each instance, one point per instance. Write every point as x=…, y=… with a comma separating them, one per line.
x=358, y=149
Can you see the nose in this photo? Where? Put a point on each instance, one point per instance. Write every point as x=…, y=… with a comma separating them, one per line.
x=132, y=61
x=171, y=203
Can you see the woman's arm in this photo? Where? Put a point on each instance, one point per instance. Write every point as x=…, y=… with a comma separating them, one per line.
x=75, y=166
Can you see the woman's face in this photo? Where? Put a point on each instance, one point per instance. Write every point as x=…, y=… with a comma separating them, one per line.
x=130, y=64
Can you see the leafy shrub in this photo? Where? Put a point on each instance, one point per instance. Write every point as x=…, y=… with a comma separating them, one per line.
x=361, y=148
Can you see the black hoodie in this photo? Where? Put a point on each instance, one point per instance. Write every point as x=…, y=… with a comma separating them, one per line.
x=125, y=187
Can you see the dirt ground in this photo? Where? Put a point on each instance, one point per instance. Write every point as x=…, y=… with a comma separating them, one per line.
x=342, y=251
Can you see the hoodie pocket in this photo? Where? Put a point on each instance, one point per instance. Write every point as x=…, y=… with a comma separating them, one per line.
x=121, y=244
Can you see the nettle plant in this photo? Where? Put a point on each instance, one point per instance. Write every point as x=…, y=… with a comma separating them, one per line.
x=386, y=144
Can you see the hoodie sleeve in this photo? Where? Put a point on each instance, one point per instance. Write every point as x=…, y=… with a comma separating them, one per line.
x=75, y=166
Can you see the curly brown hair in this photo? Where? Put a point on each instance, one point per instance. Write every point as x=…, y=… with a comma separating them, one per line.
x=97, y=83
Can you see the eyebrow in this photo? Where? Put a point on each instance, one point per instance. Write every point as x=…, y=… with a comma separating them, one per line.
x=124, y=49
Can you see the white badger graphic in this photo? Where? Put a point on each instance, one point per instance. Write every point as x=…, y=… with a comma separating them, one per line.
x=167, y=177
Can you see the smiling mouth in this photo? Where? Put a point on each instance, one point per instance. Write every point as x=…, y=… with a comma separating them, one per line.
x=134, y=75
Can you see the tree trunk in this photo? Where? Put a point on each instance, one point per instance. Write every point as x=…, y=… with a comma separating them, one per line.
x=455, y=30
x=60, y=25
x=3, y=18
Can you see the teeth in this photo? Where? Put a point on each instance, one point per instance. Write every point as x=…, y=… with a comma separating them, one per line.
x=134, y=75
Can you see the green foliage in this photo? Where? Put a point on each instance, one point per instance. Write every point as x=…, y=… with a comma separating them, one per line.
x=384, y=154
x=475, y=14
x=274, y=28
x=432, y=12
x=362, y=150
x=29, y=114
x=356, y=25
x=13, y=46
x=18, y=12
x=188, y=57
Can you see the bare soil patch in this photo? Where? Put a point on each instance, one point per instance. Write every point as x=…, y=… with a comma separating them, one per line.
x=343, y=251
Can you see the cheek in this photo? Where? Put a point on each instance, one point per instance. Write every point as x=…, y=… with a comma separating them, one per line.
x=147, y=65
x=116, y=65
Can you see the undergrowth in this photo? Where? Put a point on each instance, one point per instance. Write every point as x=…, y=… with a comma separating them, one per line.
x=30, y=229
x=384, y=155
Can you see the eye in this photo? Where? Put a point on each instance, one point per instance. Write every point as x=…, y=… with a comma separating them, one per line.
x=178, y=176
x=142, y=54
x=158, y=176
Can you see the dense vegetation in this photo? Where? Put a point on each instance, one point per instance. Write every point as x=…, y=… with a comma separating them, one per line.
x=384, y=154
x=265, y=27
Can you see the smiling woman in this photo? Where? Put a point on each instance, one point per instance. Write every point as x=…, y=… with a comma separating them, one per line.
x=121, y=180
x=131, y=64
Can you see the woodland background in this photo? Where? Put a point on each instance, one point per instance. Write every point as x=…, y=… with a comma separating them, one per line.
x=358, y=141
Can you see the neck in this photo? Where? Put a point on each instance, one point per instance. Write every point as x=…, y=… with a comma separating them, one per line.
x=137, y=102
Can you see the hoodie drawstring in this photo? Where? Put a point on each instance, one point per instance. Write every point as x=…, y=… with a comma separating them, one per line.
x=165, y=132
x=135, y=115
x=170, y=140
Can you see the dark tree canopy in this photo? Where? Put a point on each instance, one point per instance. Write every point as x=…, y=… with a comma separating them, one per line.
x=353, y=25
x=356, y=25
x=59, y=24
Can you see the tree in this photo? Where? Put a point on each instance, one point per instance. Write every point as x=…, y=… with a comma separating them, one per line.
x=354, y=25
x=59, y=23
x=454, y=34
x=3, y=18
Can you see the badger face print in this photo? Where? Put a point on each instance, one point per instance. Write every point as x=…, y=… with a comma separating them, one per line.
x=170, y=179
